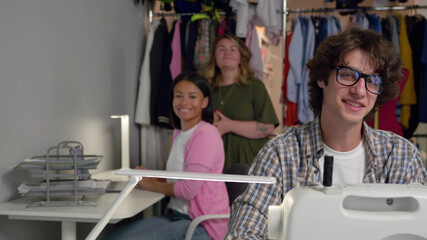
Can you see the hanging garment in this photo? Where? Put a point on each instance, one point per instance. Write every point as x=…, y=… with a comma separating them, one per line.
x=270, y=13
x=295, y=61
x=352, y=21
x=423, y=98
x=290, y=117
x=154, y=140
x=305, y=114
x=142, y=113
x=222, y=28
x=333, y=25
x=176, y=62
x=415, y=29
x=213, y=31
x=392, y=23
x=377, y=25
x=374, y=23
x=190, y=43
x=387, y=119
x=201, y=49
x=301, y=49
x=252, y=42
x=156, y=60
x=231, y=26
x=338, y=24
x=322, y=31
x=266, y=12
x=162, y=101
x=408, y=95
x=386, y=33
x=241, y=8
x=362, y=20
x=184, y=38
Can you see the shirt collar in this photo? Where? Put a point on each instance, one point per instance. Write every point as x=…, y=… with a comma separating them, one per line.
x=314, y=144
x=368, y=136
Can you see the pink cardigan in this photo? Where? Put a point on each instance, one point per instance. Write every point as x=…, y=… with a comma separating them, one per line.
x=204, y=153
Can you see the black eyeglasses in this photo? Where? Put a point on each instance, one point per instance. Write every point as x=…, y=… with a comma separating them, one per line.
x=348, y=77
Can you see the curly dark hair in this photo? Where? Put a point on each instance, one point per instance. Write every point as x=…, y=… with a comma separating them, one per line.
x=333, y=50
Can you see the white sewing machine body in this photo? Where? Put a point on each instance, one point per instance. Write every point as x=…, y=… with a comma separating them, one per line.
x=351, y=212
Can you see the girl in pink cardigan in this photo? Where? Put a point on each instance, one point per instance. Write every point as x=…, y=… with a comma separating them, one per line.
x=197, y=147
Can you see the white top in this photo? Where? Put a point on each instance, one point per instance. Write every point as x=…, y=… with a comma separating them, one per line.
x=348, y=166
x=176, y=163
x=241, y=8
x=142, y=114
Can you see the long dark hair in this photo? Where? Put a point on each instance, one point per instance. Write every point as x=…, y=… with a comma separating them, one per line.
x=203, y=85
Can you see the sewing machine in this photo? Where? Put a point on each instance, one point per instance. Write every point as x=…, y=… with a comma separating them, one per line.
x=351, y=212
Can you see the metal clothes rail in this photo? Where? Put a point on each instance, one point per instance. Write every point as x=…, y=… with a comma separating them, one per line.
x=286, y=12
x=391, y=8
x=181, y=14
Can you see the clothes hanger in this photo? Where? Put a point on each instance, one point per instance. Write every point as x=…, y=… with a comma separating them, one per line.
x=199, y=16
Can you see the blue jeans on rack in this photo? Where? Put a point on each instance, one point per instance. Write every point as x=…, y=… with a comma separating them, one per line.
x=171, y=226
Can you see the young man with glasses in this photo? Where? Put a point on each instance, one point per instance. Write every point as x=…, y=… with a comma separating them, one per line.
x=350, y=75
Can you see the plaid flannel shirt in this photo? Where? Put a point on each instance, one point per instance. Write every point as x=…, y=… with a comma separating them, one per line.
x=295, y=153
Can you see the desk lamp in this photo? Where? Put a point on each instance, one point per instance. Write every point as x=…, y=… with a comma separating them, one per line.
x=137, y=174
x=124, y=122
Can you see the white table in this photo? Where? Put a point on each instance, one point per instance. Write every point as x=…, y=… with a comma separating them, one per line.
x=134, y=203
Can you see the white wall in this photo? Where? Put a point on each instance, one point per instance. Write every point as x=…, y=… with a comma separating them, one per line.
x=65, y=67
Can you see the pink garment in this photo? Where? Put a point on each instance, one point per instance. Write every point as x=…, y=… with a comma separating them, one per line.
x=222, y=28
x=204, y=153
x=387, y=113
x=253, y=44
x=176, y=61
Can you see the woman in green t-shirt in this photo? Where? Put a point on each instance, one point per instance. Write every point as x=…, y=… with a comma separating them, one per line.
x=245, y=116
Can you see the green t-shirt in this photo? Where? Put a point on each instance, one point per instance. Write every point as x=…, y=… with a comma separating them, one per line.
x=244, y=103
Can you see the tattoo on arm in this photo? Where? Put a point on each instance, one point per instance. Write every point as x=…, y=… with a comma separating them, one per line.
x=262, y=127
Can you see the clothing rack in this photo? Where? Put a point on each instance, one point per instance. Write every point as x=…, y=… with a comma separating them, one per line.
x=391, y=8
x=152, y=14
x=324, y=10
x=180, y=14
x=286, y=12
x=358, y=9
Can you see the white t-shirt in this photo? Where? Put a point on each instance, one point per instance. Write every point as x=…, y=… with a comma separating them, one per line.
x=176, y=163
x=349, y=167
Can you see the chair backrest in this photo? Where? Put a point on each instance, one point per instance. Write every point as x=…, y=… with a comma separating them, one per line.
x=235, y=189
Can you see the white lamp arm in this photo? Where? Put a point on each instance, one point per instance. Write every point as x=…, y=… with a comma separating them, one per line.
x=137, y=174
x=109, y=213
x=197, y=176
